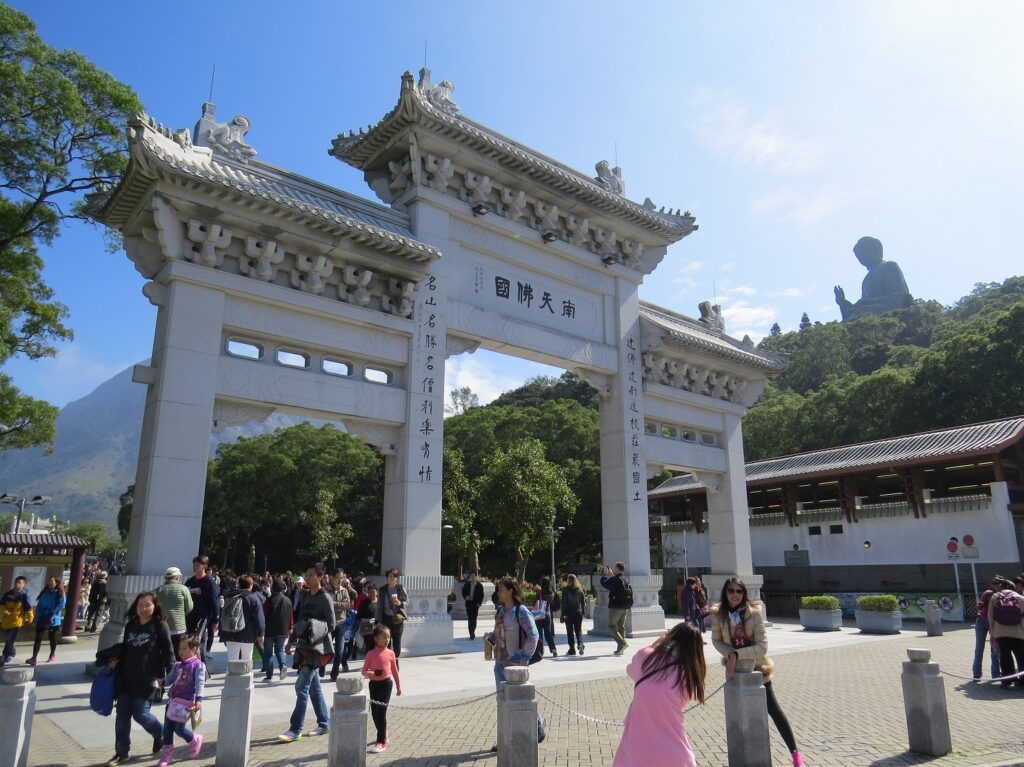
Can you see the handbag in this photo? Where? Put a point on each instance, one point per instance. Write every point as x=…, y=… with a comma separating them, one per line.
x=179, y=709
x=157, y=693
x=366, y=626
x=101, y=695
x=398, y=618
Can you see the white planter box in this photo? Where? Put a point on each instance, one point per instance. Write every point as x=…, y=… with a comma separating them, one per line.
x=879, y=622
x=821, y=620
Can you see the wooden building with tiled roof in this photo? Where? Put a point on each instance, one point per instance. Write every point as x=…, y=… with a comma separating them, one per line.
x=878, y=515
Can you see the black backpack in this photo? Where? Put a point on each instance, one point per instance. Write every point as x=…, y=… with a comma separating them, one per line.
x=627, y=593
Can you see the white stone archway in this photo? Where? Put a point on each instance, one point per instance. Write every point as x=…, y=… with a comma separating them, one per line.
x=277, y=293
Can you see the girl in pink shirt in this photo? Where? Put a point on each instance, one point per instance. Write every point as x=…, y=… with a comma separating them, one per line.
x=666, y=676
x=379, y=666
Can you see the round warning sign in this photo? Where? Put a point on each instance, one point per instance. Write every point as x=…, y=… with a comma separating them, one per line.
x=951, y=547
x=968, y=540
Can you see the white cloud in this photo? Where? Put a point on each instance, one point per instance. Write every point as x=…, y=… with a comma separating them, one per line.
x=729, y=130
x=804, y=208
x=743, y=290
x=693, y=266
x=485, y=382
x=728, y=266
x=743, y=319
x=790, y=293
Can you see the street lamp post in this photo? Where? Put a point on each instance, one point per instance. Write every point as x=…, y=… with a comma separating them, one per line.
x=38, y=500
x=553, y=534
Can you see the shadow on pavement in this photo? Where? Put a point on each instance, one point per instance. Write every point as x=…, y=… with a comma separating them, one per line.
x=448, y=760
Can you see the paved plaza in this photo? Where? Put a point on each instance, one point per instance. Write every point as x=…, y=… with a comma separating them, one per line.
x=840, y=690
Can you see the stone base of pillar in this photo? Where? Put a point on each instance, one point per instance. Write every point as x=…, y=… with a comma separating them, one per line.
x=646, y=619
x=486, y=609
x=122, y=590
x=17, y=707
x=428, y=629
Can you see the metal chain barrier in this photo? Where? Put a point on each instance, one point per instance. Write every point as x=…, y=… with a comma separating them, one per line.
x=441, y=707
x=1019, y=676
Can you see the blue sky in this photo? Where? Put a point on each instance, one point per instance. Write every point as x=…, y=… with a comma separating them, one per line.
x=790, y=129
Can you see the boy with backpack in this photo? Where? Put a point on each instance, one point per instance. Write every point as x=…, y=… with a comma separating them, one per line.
x=620, y=600
x=15, y=612
x=1005, y=617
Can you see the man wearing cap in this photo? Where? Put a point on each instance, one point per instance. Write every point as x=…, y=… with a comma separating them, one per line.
x=176, y=600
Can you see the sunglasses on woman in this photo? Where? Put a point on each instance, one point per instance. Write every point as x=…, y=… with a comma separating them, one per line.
x=735, y=591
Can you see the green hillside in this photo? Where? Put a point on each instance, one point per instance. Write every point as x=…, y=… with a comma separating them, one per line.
x=921, y=368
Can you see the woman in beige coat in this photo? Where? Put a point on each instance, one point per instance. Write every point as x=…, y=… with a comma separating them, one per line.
x=737, y=631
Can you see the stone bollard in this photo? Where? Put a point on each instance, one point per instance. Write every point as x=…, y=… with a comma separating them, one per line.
x=234, y=729
x=924, y=698
x=17, y=706
x=932, y=619
x=517, y=720
x=746, y=718
x=346, y=746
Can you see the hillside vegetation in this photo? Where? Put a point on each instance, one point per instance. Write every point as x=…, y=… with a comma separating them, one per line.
x=921, y=368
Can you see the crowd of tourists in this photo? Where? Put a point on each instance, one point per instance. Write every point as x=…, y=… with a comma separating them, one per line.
x=314, y=624
x=319, y=623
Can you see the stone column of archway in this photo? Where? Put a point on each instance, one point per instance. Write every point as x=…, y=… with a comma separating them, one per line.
x=412, y=476
x=729, y=517
x=624, y=523
x=170, y=483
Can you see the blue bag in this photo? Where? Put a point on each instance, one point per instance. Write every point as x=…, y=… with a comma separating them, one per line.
x=101, y=696
x=349, y=627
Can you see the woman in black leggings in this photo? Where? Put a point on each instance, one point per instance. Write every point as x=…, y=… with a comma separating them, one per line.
x=737, y=630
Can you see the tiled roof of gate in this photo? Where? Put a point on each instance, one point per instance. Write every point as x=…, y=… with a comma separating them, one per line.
x=694, y=333
x=30, y=540
x=977, y=439
x=153, y=144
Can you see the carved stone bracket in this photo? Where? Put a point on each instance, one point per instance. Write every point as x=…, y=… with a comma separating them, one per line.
x=455, y=345
x=311, y=272
x=599, y=381
x=678, y=374
x=711, y=480
x=383, y=438
x=398, y=298
x=261, y=259
x=514, y=203
x=439, y=172
x=235, y=414
x=208, y=243
x=352, y=287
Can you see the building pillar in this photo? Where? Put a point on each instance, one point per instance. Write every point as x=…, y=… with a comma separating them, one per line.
x=412, y=477
x=70, y=622
x=729, y=517
x=170, y=481
x=624, y=521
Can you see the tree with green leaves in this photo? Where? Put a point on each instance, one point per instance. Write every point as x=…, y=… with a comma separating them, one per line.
x=462, y=400
x=458, y=511
x=62, y=137
x=297, y=494
x=523, y=494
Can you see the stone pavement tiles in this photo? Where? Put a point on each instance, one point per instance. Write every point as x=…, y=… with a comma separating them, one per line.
x=845, y=705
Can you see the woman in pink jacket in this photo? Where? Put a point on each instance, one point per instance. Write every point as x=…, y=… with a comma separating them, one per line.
x=667, y=676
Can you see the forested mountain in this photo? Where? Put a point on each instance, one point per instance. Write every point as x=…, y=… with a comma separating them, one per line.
x=921, y=368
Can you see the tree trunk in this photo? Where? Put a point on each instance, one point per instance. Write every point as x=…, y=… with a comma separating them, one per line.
x=520, y=565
